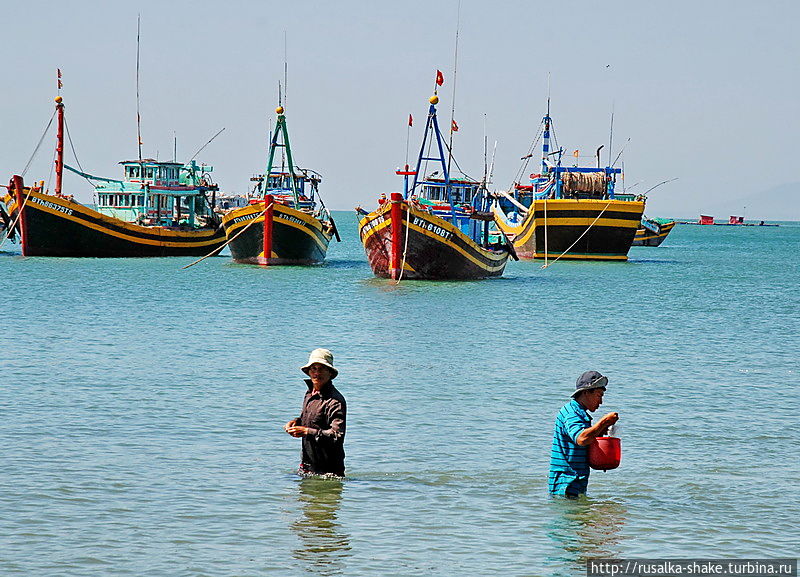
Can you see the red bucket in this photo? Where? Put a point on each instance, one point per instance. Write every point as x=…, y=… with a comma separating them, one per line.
x=605, y=453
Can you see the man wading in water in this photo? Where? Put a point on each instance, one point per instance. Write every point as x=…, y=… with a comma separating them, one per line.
x=573, y=433
x=321, y=423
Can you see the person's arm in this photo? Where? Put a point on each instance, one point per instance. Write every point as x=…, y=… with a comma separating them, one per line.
x=335, y=414
x=590, y=434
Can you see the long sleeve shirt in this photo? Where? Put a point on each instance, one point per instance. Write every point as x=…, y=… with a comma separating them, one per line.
x=325, y=413
x=569, y=462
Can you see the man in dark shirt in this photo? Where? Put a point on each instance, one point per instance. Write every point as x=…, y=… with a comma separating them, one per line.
x=321, y=423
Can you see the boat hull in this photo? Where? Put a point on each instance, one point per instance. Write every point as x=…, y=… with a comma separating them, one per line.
x=432, y=248
x=575, y=229
x=646, y=237
x=57, y=226
x=297, y=237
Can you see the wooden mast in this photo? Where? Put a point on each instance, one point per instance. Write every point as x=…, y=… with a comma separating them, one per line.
x=59, y=144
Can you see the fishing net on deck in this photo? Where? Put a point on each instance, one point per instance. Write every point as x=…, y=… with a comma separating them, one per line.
x=578, y=183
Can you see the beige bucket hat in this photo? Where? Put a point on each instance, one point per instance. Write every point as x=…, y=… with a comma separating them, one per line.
x=323, y=357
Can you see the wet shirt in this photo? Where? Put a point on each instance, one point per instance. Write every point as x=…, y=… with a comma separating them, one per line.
x=324, y=412
x=569, y=462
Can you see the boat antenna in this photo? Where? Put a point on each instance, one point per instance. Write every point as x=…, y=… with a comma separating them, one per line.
x=621, y=151
x=485, y=154
x=611, y=133
x=285, y=64
x=453, y=104
x=548, y=94
x=659, y=184
x=206, y=144
x=138, y=115
x=174, y=146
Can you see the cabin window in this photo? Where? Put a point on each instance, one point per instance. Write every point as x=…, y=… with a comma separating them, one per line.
x=149, y=173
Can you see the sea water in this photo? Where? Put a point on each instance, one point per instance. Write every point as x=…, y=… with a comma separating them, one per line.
x=142, y=411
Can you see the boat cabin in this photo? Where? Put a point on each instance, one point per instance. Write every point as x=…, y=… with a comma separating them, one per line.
x=279, y=185
x=157, y=193
x=706, y=219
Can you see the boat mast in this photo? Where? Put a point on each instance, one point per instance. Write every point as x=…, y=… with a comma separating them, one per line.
x=280, y=129
x=59, y=145
x=433, y=126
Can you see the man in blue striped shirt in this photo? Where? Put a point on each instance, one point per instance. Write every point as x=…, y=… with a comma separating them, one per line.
x=573, y=433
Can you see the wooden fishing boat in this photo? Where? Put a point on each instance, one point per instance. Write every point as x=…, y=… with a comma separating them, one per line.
x=568, y=212
x=158, y=209
x=653, y=231
x=285, y=222
x=438, y=229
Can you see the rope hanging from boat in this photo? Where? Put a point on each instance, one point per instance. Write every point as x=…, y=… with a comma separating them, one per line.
x=227, y=242
x=47, y=128
x=545, y=265
x=75, y=155
x=10, y=229
x=405, y=247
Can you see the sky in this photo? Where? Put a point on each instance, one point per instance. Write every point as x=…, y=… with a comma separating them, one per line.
x=702, y=92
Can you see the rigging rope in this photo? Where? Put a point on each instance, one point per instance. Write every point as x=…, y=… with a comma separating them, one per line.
x=576, y=240
x=78, y=162
x=226, y=243
x=27, y=166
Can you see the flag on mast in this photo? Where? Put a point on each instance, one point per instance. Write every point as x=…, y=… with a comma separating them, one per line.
x=410, y=120
x=454, y=126
x=439, y=78
x=60, y=85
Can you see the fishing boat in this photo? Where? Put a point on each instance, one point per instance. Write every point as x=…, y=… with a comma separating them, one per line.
x=438, y=228
x=568, y=212
x=157, y=209
x=652, y=231
x=285, y=221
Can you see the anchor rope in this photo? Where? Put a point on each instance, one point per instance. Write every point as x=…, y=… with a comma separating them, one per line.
x=576, y=240
x=30, y=160
x=226, y=243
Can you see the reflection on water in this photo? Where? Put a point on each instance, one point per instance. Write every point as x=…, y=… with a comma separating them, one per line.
x=587, y=528
x=323, y=547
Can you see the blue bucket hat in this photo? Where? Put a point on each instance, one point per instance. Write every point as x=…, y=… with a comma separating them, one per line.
x=588, y=381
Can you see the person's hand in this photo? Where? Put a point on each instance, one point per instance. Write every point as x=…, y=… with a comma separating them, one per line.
x=298, y=431
x=608, y=420
x=290, y=425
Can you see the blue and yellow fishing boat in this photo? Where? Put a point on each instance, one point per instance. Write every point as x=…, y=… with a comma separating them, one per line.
x=568, y=212
x=156, y=209
x=285, y=222
x=653, y=231
x=438, y=228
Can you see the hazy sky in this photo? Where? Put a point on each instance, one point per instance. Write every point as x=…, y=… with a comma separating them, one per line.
x=706, y=91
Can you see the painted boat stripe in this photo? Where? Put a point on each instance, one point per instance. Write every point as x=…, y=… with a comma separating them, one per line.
x=135, y=239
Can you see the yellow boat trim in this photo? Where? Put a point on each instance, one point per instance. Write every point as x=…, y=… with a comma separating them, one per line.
x=575, y=256
x=461, y=250
x=375, y=229
x=135, y=239
x=445, y=225
x=277, y=215
x=111, y=221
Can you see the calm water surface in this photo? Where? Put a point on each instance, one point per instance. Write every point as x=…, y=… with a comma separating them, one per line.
x=142, y=411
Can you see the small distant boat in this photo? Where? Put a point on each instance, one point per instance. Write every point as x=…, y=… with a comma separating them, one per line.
x=157, y=209
x=568, y=212
x=285, y=222
x=439, y=228
x=653, y=231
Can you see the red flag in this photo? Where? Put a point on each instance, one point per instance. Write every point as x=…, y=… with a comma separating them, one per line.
x=439, y=77
x=410, y=120
x=59, y=79
x=59, y=72
x=454, y=126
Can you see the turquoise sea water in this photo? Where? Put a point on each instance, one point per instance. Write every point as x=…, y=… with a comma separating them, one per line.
x=142, y=411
